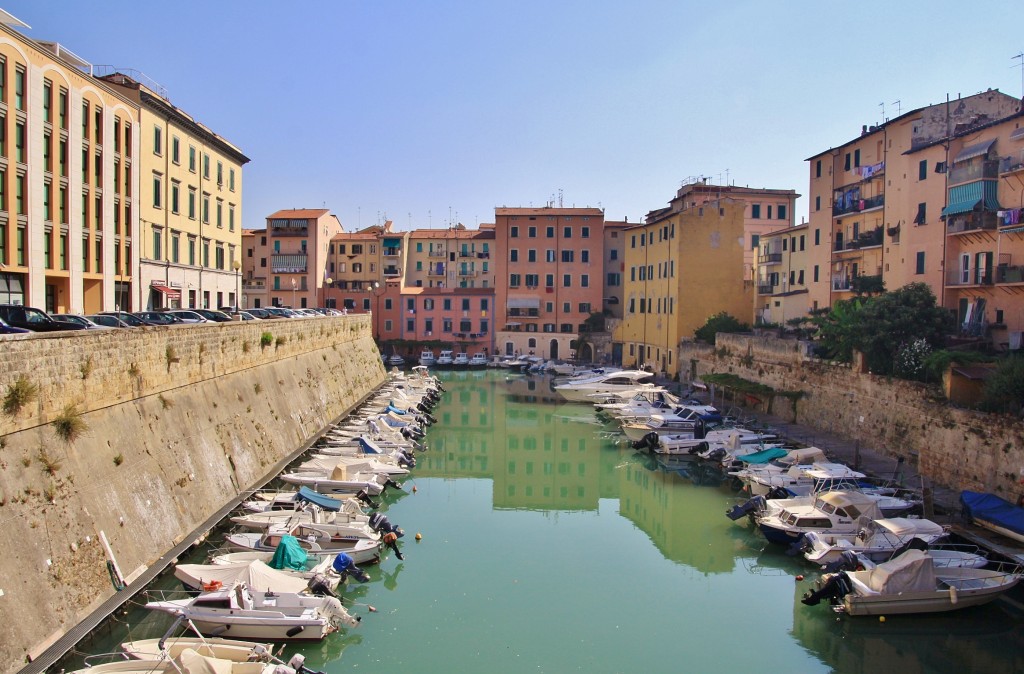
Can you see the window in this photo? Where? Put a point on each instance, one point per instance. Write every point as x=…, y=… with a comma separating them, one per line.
x=856, y=157
x=174, y=247
x=206, y=208
x=483, y=304
x=585, y=232
x=802, y=237
x=585, y=280
x=920, y=263
x=567, y=256
x=513, y=255
x=550, y=232
x=220, y=212
x=231, y=217
x=614, y=280
x=815, y=273
x=447, y=304
x=613, y=254
x=755, y=241
x=192, y=158
x=206, y=166
x=566, y=280
x=513, y=282
x=175, y=189
x=785, y=243
x=532, y=232
x=47, y=100
x=817, y=203
x=567, y=232
x=19, y=144
x=922, y=169
x=584, y=256
x=769, y=211
x=782, y=211
x=231, y=179
x=3, y=80
x=220, y=173
x=755, y=211
x=513, y=232
x=817, y=237
x=549, y=255
x=158, y=140
x=158, y=188
x=846, y=164
x=549, y=280
x=157, y=235
x=817, y=169
x=531, y=255
x=191, y=203
x=921, y=216
x=19, y=88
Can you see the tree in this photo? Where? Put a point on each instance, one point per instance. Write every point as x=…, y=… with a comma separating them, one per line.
x=836, y=329
x=887, y=322
x=720, y=322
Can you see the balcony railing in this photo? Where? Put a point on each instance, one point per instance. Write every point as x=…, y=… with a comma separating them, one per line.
x=467, y=272
x=971, y=222
x=841, y=283
x=1006, y=273
x=969, y=277
x=765, y=289
x=392, y=252
x=254, y=286
x=523, y=313
x=986, y=170
x=769, y=258
x=437, y=270
x=859, y=205
x=436, y=253
x=392, y=271
x=467, y=253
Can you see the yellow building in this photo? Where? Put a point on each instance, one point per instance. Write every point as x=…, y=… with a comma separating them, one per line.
x=782, y=277
x=67, y=180
x=682, y=266
x=190, y=205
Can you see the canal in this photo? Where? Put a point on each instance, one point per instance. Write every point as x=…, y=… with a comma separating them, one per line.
x=547, y=547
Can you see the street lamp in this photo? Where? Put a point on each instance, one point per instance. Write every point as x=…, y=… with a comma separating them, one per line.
x=327, y=292
x=237, y=266
x=294, y=285
x=376, y=290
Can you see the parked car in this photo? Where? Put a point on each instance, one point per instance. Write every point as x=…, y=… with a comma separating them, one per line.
x=215, y=316
x=80, y=320
x=188, y=316
x=159, y=317
x=281, y=312
x=131, y=320
x=35, y=320
x=246, y=316
x=10, y=329
x=263, y=314
x=108, y=321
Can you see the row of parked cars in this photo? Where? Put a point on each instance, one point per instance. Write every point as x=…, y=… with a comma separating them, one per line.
x=15, y=318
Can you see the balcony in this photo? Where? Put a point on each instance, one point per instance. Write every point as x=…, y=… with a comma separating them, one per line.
x=467, y=253
x=435, y=270
x=769, y=258
x=969, y=277
x=286, y=227
x=1006, y=273
x=970, y=222
x=392, y=271
x=254, y=286
x=522, y=313
x=467, y=272
x=436, y=253
x=863, y=240
x=859, y=205
x=986, y=170
x=765, y=288
x=288, y=264
x=841, y=283
x=392, y=252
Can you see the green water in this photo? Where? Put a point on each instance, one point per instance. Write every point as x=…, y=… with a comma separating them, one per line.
x=548, y=548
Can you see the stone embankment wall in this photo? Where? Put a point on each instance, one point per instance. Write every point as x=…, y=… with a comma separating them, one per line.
x=172, y=423
x=956, y=448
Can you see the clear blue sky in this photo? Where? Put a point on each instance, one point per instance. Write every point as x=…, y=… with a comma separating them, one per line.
x=424, y=109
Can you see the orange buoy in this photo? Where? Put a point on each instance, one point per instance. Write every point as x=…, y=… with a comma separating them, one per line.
x=800, y=577
x=419, y=537
x=414, y=489
x=373, y=609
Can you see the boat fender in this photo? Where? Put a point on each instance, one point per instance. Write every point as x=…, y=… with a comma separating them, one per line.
x=953, y=598
x=294, y=631
x=212, y=586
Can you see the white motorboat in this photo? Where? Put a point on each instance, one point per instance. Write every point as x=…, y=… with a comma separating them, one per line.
x=639, y=404
x=362, y=463
x=578, y=391
x=313, y=542
x=679, y=420
x=302, y=515
x=911, y=583
x=444, y=359
x=461, y=359
x=879, y=539
x=248, y=613
x=191, y=661
x=805, y=456
x=478, y=360
x=340, y=480
x=235, y=650
x=801, y=480
x=254, y=573
x=834, y=512
x=396, y=361
x=427, y=358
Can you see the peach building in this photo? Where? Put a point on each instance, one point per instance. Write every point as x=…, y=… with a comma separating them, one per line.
x=781, y=291
x=286, y=264
x=547, y=272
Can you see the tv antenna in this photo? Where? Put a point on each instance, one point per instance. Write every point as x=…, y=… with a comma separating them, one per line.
x=1020, y=65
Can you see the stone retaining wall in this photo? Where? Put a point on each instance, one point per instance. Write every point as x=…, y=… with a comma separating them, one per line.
x=177, y=421
x=956, y=448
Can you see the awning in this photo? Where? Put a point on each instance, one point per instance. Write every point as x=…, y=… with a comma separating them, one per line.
x=523, y=303
x=512, y=325
x=392, y=243
x=169, y=293
x=976, y=150
x=288, y=264
x=961, y=207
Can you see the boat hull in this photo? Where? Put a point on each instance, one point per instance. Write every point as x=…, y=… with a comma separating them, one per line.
x=919, y=602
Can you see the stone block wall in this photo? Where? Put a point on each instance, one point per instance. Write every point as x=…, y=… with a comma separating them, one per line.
x=177, y=421
x=956, y=448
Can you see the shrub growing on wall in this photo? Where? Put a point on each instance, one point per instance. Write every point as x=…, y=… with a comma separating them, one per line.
x=720, y=322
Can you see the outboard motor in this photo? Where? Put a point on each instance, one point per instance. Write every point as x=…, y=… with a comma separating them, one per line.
x=699, y=429
x=320, y=586
x=778, y=492
x=365, y=498
x=391, y=483
x=698, y=448
x=390, y=539
x=753, y=505
x=296, y=665
x=345, y=567
x=422, y=408
x=848, y=561
x=406, y=459
x=382, y=525
x=834, y=589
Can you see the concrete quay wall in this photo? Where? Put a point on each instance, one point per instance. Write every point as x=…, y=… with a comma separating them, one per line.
x=956, y=448
x=177, y=421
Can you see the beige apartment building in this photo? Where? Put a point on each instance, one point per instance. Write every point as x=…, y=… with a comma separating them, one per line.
x=876, y=201
x=68, y=181
x=190, y=206
x=782, y=279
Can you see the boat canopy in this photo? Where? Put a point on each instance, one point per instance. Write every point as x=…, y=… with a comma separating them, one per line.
x=905, y=527
x=324, y=502
x=991, y=508
x=764, y=456
x=912, y=571
x=806, y=455
x=289, y=554
x=253, y=573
